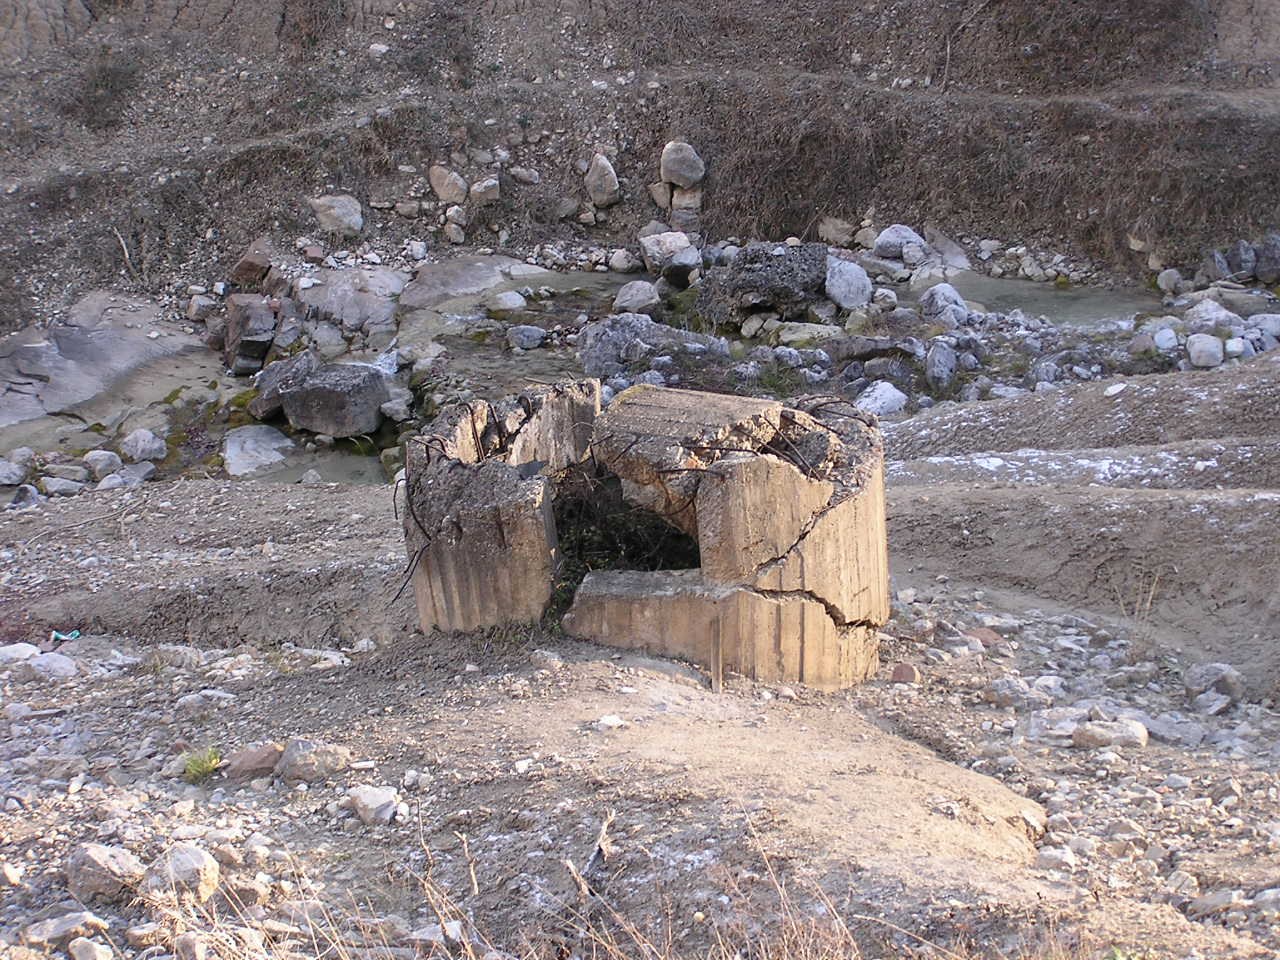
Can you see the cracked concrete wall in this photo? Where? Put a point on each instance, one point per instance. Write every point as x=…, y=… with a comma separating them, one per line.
x=787, y=504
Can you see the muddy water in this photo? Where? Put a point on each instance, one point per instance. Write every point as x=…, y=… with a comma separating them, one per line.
x=1080, y=307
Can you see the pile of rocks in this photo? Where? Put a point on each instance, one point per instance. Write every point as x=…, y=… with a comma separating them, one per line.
x=1212, y=327
x=1242, y=262
x=678, y=190
x=37, y=476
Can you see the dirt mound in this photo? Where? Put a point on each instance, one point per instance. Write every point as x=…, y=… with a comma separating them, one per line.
x=1057, y=126
x=192, y=563
x=1167, y=408
x=1103, y=549
x=30, y=27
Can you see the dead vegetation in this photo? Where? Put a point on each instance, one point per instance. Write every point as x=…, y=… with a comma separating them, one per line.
x=102, y=95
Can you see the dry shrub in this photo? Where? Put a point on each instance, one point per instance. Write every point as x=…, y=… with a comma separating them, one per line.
x=102, y=94
x=308, y=23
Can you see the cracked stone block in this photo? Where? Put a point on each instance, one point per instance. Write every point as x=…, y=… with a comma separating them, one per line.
x=785, y=502
x=251, y=328
x=479, y=514
x=485, y=542
x=676, y=613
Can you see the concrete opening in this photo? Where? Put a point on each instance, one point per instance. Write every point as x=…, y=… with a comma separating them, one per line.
x=744, y=535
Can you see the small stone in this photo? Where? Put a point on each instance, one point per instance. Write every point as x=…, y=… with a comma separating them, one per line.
x=1056, y=858
x=82, y=948
x=503, y=305
x=339, y=214
x=525, y=336
x=1167, y=281
x=847, y=284
x=447, y=184
x=59, y=930
x=1205, y=350
x=190, y=946
x=485, y=191
x=373, y=805
x=1110, y=733
x=905, y=673
x=311, y=760
x=103, y=462
x=47, y=666
x=250, y=763
x=602, y=182
x=610, y=722
x=882, y=398
x=1219, y=678
x=185, y=869
x=681, y=165
x=638, y=296
x=891, y=240
x=58, y=487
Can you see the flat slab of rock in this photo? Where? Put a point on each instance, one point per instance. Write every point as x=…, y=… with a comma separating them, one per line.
x=251, y=449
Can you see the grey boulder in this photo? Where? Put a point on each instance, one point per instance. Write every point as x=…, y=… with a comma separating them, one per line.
x=142, y=445
x=338, y=399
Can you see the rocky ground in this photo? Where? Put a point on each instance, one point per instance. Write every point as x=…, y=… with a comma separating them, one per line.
x=1072, y=721
x=249, y=250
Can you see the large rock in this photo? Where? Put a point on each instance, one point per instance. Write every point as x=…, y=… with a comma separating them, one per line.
x=771, y=278
x=658, y=249
x=449, y=185
x=891, y=240
x=638, y=296
x=1205, y=350
x=251, y=329
x=787, y=507
x=338, y=399
x=11, y=474
x=607, y=347
x=939, y=299
x=847, y=284
x=602, y=182
x=681, y=164
x=96, y=871
x=141, y=445
x=356, y=299
x=307, y=761
x=1267, y=267
x=278, y=378
x=248, y=450
x=339, y=213
x=882, y=398
x=102, y=462
x=185, y=870
x=940, y=365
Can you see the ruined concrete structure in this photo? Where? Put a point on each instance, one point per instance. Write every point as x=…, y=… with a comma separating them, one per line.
x=786, y=504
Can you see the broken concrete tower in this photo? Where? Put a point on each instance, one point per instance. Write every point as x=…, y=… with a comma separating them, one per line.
x=786, y=504
x=478, y=525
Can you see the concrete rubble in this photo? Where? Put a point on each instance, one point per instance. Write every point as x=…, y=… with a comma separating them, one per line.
x=786, y=504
